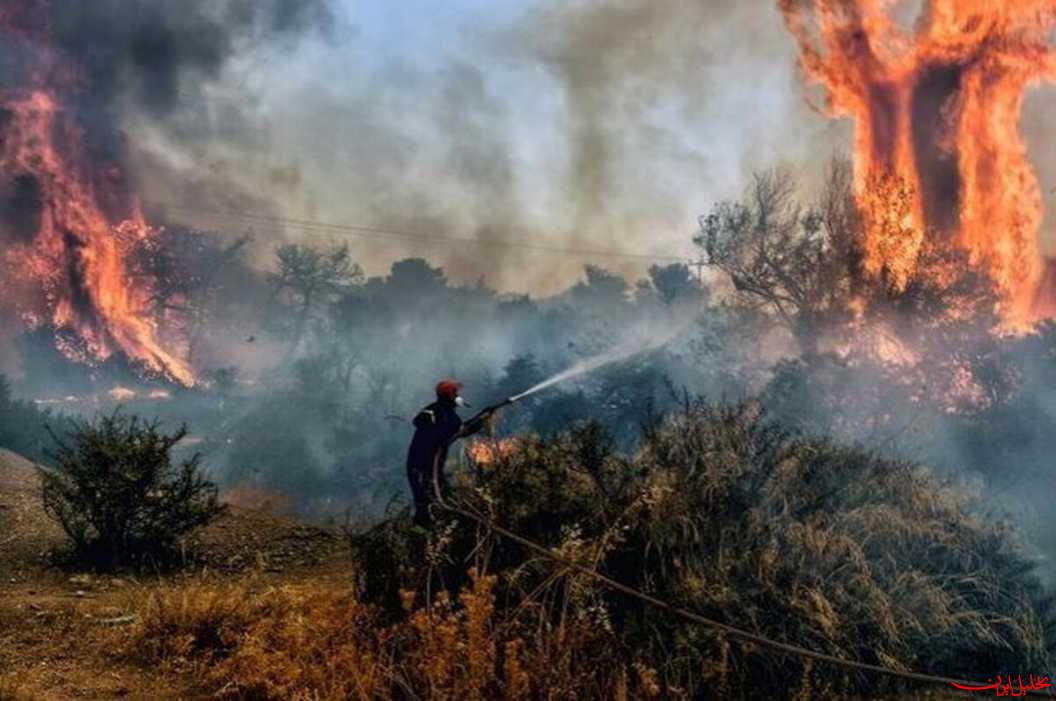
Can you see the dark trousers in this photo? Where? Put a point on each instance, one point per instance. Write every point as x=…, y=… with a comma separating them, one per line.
x=420, y=476
x=421, y=480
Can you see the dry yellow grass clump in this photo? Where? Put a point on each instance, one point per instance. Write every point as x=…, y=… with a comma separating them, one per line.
x=314, y=641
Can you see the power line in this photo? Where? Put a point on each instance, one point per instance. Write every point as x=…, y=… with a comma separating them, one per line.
x=318, y=227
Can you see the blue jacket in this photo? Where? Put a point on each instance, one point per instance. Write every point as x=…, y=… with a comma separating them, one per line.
x=435, y=427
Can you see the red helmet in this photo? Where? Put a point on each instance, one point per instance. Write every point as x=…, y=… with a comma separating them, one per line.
x=448, y=389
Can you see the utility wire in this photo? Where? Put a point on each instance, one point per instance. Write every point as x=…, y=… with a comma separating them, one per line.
x=734, y=632
x=342, y=229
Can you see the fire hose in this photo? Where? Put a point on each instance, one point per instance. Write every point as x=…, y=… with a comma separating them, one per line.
x=733, y=632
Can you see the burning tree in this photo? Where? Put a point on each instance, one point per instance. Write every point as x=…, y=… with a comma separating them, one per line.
x=808, y=267
x=185, y=267
x=938, y=108
x=70, y=220
x=802, y=265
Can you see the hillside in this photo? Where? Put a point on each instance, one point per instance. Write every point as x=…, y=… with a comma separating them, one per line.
x=797, y=540
x=27, y=533
x=57, y=628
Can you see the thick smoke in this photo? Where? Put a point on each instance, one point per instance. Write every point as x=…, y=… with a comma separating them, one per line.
x=159, y=57
x=156, y=62
x=601, y=126
x=618, y=62
x=668, y=105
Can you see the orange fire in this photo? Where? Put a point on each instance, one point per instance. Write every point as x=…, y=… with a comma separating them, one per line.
x=77, y=250
x=936, y=110
x=489, y=452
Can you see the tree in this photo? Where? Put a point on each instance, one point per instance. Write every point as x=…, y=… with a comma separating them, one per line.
x=310, y=277
x=674, y=283
x=414, y=277
x=519, y=374
x=184, y=267
x=800, y=264
x=603, y=289
x=118, y=496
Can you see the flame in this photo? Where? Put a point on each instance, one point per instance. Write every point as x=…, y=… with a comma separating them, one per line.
x=122, y=394
x=489, y=452
x=1045, y=303
x=76, y=254
x=938, y=153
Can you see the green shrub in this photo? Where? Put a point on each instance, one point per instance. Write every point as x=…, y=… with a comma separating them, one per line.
x=117, y=494
x=795, y=538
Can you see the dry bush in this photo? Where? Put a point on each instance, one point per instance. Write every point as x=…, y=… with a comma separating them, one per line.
x=797, y=539
x=315, y=642
x=839, y=550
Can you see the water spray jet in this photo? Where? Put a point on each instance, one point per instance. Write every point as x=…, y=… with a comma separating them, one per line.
x=621, y=352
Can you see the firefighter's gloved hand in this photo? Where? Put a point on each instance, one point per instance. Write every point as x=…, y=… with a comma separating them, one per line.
x=478, y=422
x=474, y=425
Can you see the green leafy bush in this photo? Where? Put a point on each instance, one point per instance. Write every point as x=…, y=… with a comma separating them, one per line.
x=117, y=494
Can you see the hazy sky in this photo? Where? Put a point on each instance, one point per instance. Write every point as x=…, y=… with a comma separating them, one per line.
x=603, y=125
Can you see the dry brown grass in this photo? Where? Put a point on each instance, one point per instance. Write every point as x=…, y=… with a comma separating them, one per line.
x=12, y=690
x=56, y=643
x=254, y=497
x=314, y=641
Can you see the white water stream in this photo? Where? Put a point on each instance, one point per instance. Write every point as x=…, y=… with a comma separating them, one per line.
x=639, y=343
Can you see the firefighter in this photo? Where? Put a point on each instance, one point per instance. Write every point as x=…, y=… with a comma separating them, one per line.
x=435, y=428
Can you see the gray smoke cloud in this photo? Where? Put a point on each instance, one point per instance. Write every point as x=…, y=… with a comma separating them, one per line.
x=668, y=104
x=156, y=62
x=158, y=56
x=587, y=125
